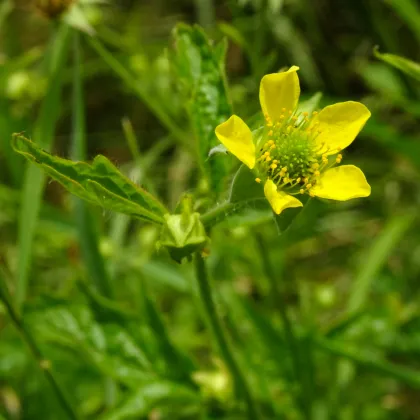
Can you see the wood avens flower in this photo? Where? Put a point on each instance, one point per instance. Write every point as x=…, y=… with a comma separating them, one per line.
x=298, y=153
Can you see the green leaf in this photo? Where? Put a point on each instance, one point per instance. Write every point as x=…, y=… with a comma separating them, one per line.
x=286, y=218
x=167, y=275
x=165, y=395
x=244, y=188
x=100, y=183
x=106, y=310
x=107, y=348
x=200, y=68
x=310, y=105
x=178, y=365
x=370, y=361
x=409, y=67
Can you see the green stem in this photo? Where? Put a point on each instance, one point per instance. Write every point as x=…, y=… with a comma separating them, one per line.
x=220, y=212
x=304, y=400
x=35, y=351
x=216, y=328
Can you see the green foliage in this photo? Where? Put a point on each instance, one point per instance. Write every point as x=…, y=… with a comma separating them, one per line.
x=199, y=67
x=34, y=179
x=100, y=183
x=409, y=67
x=310, y=315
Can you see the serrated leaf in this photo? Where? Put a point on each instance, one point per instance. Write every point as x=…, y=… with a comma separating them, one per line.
x=411, y=68
x=200, y=68
x=114, y=202
x=108, y=348
x=100, y=183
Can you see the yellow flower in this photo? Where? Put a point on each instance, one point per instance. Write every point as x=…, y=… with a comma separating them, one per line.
x=298, y=153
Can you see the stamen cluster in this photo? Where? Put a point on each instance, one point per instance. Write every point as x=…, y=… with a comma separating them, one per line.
x=290, y=155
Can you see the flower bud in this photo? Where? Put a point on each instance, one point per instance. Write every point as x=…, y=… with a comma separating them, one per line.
x=183, y=234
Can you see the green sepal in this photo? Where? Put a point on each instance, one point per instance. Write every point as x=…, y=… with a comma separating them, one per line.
x=244, y=187
x=183, y=234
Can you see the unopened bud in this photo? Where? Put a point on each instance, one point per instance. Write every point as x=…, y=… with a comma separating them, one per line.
x=183, y=234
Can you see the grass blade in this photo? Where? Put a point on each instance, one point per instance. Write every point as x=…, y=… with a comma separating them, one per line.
x=376, y=257
x=34, y=179
x=88, y=238
x=371, y=362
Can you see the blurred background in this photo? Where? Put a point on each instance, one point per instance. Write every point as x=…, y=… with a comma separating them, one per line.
x=116, y=320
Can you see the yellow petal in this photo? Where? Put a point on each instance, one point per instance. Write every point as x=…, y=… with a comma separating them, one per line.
x=236, y=136
x=278, y=91
x=279, y=200
x=339, y=124
x=342, y=183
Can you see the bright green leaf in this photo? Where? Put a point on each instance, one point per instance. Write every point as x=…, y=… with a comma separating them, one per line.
x=164, y=395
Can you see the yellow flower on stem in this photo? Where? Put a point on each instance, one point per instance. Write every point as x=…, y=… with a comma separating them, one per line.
x=298, y=152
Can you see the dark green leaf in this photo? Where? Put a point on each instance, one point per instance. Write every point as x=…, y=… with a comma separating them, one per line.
x=244, y=188
x=179, y=365
x=200, y=69
x=99, y=183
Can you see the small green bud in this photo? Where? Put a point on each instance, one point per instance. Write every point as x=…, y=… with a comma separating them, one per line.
x=183, y=234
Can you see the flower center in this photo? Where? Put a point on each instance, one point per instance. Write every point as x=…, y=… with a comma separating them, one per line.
x=290, y=155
